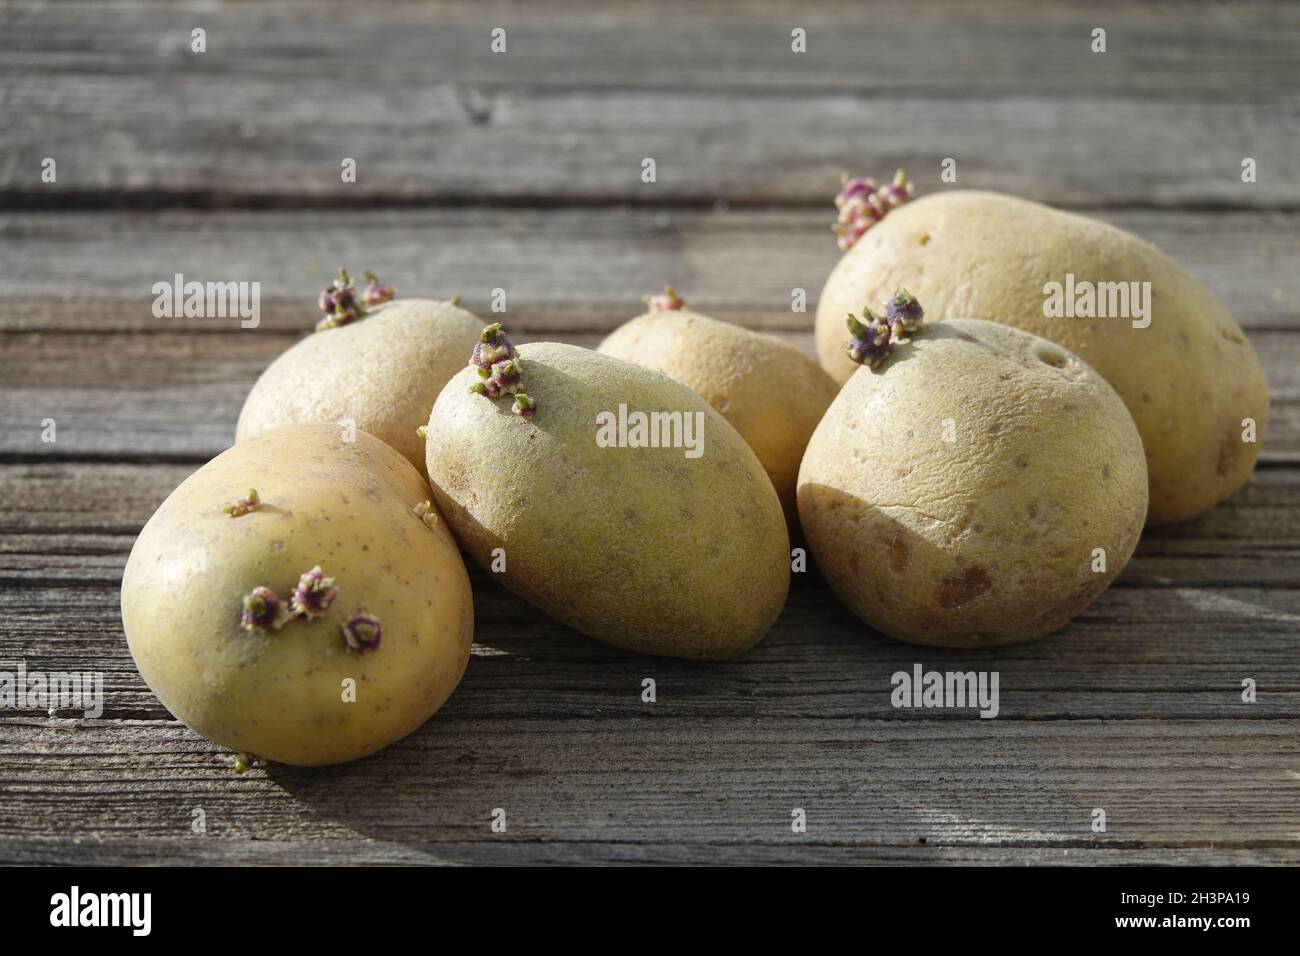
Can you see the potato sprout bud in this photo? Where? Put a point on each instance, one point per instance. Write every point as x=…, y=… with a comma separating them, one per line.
x=264, y=608
x=861, y=204
x=339, y=303
x=904, y=313
x=500, y=370
x=667, y=301
x=245, y=762
x=244, y=505
x=492, y=347
x=870, y=344
x=426, y=513
x=506, y=376
x=377, y=292
x=894, y=194
x=314, y=594
x=525, y=407
x=362, y=632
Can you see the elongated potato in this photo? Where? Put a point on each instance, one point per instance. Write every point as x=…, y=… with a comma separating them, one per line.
x=981, y=486
x=676, y=548
x=1190, y=379
x=321, y=619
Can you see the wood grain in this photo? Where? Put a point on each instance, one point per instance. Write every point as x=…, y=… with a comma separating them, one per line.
x=619, y=786
x=570, y=270
x=569, y=112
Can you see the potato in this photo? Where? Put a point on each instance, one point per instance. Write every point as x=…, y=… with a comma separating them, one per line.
x=390, y=607
x=382, y=372
x=957, y=496
x=1190, y=378
x=653, y=549
x=770, y=392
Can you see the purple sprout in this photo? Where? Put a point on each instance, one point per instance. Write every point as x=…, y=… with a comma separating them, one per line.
x=666, y=301
x=377, y=293
x=524, y=407
x=263, y=609
x=870, y=344
x=362, y=632
x=492, y=347
x=500, y=370
x=862, y=204
x=339, y=303
x=904, y=313
x=313, y=595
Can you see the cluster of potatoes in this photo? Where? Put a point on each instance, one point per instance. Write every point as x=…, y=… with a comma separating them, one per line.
x=966, y=473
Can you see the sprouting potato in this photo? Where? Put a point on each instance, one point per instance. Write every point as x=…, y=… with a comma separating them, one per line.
x=677, y=548
x=972, y=486
x=375, y=362
x=312, y=620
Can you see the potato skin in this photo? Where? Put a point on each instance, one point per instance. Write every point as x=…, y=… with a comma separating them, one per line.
x=1188, y=379
x=770, y=392
x=988, y=539
x=382, y=371
x=278, y=693
x=640, y=547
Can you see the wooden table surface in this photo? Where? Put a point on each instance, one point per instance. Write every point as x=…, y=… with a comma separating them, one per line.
x=522, y=171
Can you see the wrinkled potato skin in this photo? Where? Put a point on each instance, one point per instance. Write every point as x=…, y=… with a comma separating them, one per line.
x=989, y=539
x=639, y=547
x=382, y=371
x=770, y=392
x=1188, y=379
x=278, y=694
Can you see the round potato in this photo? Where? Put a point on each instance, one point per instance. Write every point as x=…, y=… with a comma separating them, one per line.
x=381, y=372
x=660, y=535
x=1184, y=369
x=770, y=392
x=981, y=487
x=256, y=625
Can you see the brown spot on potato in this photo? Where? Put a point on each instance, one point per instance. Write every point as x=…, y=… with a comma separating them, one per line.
x=955, y=591
x=1105, y=470
x=899, y=553
x=1022, y=461
x=923, y=239
x=1228, y=453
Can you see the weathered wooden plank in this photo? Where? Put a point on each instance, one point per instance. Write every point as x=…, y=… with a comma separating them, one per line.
x=565, y=270
x=546, y=147
x=1183, y=51
x=1138, y=652
x=198, y=851
x=577, y=101
x=695, y=784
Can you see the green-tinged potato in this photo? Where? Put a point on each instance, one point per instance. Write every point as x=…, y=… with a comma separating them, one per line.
x=980, y=487
x=770, y=392
x=363, y=629
x=381, y=372
x=679, y=549
x=1189, y=377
